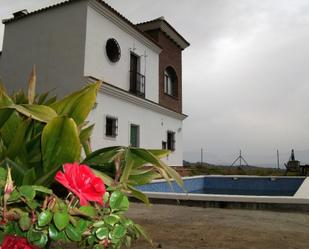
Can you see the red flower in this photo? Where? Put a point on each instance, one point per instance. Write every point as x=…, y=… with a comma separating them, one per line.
x=82, y=182
x=15, y=242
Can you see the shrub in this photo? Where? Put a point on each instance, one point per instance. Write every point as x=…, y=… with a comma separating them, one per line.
x=38, y=135
x=35, y=213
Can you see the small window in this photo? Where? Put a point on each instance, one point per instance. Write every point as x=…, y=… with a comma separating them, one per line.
x=170, y=81
x=171, y=140
x=163, y=145
x=134, y=135
x=113, y=51
x=111, y=126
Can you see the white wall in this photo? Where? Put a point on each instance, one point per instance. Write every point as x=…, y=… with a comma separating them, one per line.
x=153, y=126
x=99, y=30
x=54, y=40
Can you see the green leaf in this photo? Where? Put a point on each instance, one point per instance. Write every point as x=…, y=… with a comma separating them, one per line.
x=157, y=163
x=106, y=197
x=24, y=222
x=33, y=204
x=51, y=100
x=3, y=173
x=27, y=191
x=73, y=233
x=141, y=170
x=119, y=201
x=42, y=189
x=98, y=223
x=84, y=137
x=111, y=219
x=37, y=238
x=119, y=231
x=55, y=234
x=160, y=153
x=79, y=104
x=17, y=230
x=5, y=100
x=102, y=233
x=8, y=130
x=19, y=139
x=98, y=247
x=128, y=166
x=128, y=241
x=115, y=240
x=45, y=218
x=85, y=133
x=29, y=176
x=139, y=195
x=31, y=86
x=82, y=225
x=47, y=177
x=127, y=222
x=88, y=210
x=15, y=195
x=42, y=241
x=143, y=178
x=141, y=231
x=33, y=235
x=19, y=97
x=5, y=115
x=133, y=159
x=61, y=220
x=40, y=113
x=91, y=239
x=103, y=156
x=42, y=98
x=60, y=143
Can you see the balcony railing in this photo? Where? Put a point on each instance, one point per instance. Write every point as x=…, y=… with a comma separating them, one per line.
x=137, y=84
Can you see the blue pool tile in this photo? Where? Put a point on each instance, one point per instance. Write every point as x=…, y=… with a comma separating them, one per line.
x=272, y=186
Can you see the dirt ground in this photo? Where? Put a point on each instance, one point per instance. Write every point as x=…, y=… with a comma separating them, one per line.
x=180, y=227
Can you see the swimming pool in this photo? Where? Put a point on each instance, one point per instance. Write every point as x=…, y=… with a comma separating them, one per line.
x=282, y=193
x=230, y=185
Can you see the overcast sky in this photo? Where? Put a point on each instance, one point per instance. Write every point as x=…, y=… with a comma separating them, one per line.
x=245, y=75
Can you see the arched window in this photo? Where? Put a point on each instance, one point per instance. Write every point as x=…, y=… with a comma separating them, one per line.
x=170, y=82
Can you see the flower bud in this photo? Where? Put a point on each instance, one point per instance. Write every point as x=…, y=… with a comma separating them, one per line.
x=8, y=189
x=9, y=185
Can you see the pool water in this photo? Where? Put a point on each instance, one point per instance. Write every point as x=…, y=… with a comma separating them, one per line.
x=230, y=185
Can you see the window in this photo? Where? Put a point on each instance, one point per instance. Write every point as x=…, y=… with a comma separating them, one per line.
x=171, y=140
x=111, y=126
x=170, y=81
x=163, y=145
x=134, y=135
x=137, y=80
x=113, y=51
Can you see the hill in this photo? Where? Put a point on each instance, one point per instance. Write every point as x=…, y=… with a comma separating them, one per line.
x=193, y=169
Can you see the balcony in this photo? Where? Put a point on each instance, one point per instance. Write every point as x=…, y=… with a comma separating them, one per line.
x=137, y=84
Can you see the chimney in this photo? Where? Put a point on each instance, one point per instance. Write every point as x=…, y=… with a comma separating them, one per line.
x=20, y=13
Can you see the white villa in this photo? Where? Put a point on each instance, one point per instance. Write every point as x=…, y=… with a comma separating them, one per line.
x=80, y=41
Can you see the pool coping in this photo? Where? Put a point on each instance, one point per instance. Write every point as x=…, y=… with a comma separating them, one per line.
x=273, y=203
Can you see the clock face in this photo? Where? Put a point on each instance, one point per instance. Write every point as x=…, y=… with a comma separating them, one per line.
x=113, y=51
